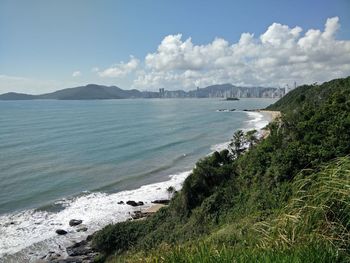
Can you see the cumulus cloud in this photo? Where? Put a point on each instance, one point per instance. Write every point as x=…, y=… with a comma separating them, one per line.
x=279, y=56
x=280, y=35
x=76, y=74
x=121, y=69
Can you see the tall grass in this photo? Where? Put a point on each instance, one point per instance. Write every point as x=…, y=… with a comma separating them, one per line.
x=209, y=253
x=319, y=210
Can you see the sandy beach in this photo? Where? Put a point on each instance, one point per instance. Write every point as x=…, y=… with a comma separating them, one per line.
x=274, y=114
x=154, y=208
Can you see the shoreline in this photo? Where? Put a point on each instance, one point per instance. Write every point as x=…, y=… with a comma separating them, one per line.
x=275, y=115
x=96, y=210
x=143, y=215
x=70, y=241
x=155, y=207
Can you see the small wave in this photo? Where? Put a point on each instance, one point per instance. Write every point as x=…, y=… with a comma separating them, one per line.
x=257, y=121
x=219, y=147
x=28, y=235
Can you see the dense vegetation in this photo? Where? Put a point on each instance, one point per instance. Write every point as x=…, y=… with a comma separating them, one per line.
x=287, y=199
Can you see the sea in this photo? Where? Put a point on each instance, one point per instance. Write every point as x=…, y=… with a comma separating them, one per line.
x=62, y=160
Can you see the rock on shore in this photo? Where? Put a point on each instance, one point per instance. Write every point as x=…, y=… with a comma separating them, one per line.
x=61, y=232
x=133, y=203
x=75, y=222
x=80, y=252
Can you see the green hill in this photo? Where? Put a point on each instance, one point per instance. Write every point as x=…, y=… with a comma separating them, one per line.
x=287, y=199
x=88, y=92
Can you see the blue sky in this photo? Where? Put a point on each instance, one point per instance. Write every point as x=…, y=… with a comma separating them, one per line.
x=48, y=45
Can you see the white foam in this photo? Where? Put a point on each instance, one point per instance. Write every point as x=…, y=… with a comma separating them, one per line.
x=257, y=121
x=32, y=233
x=219, y=147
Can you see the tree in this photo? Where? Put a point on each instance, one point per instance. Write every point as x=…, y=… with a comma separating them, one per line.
x=236, y=145
x=251, y=138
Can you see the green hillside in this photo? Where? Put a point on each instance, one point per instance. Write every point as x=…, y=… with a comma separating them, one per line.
x=287, y=199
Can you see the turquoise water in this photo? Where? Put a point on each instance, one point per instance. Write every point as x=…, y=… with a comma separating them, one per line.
x=60, y=150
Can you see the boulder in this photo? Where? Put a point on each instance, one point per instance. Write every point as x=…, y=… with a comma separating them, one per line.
x=75, y=222
x=133, y=203
x=120, y=203
x=61, y=232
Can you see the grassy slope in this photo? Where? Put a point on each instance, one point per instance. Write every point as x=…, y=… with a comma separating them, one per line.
x=258, y=207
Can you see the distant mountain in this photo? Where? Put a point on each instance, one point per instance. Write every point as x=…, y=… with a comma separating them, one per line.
x=16, y=96
x=100, y=92
x=88, y=92
x=92, y=92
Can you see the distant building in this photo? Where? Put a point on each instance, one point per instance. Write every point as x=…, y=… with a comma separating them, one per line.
x=161, y=93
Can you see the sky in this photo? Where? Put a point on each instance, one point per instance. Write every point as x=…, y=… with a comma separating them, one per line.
x=152, y=44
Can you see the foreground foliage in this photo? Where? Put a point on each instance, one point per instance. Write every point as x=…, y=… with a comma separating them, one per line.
x=282, y=201
x=209, y=253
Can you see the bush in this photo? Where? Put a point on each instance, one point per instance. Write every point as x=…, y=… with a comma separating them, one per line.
x=119, y=237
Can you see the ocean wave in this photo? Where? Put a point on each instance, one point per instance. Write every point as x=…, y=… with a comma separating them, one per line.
x=29, y=235
x=219, y=147
x=256, y=121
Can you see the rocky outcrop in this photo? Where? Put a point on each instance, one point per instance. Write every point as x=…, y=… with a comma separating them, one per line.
x=49, y=257
x=80, y=252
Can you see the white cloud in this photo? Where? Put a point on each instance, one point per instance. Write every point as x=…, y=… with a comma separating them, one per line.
x=121, y=69
x=331, y=27
x=279, y=56
x=280, y=35
x=76, y=74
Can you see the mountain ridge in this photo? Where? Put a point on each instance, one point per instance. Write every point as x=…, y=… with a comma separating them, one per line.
x=96, y=92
